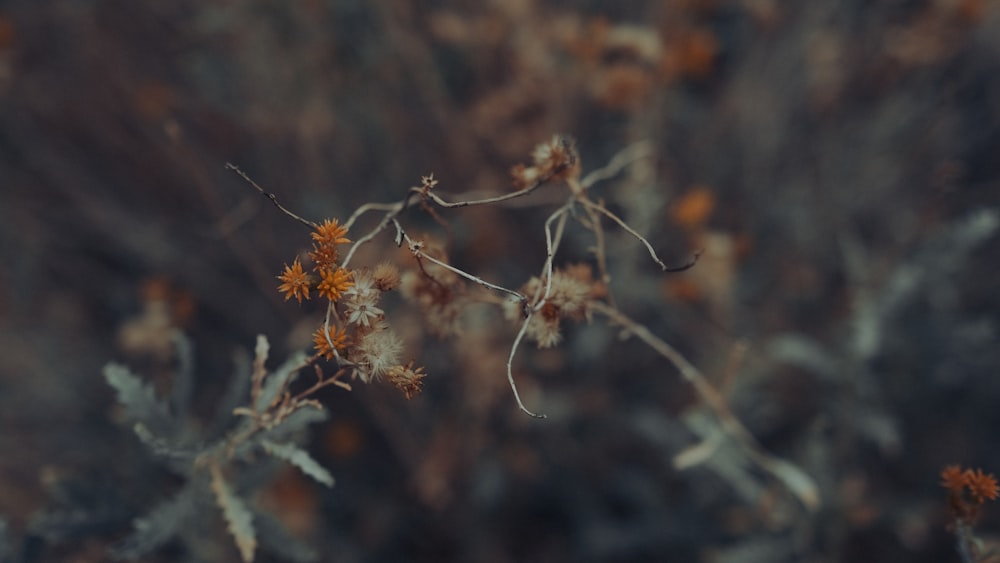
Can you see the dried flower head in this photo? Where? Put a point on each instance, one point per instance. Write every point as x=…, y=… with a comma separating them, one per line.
x=322, y=341
x=330, y=233
x=524, y=176
x=295, y=282
x=544, y=329
x=376, y=352
x=553, y=160
x=334, y=283
x=565, y=298
x=953, y=478
x=428, y=182
x=554, y=155
x=968, y=490
x=361, y=300
x=406, y=378
x=982, y=486
x=569, y=294
x=386, y=276
x=324, y=257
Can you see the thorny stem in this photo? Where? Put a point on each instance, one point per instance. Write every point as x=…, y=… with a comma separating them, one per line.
x=270, y=196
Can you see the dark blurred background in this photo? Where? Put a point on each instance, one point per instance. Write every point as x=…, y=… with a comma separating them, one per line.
x=837, y=162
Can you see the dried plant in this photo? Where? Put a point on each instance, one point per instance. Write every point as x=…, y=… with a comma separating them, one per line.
x=357, y=335
x=358, y=338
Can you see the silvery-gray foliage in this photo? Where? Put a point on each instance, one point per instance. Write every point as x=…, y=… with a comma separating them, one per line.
x=222, y=465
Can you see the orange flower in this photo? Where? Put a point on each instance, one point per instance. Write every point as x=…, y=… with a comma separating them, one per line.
x=330, y=233
x=322, y=344
x=324, y=256
x=953, y=478
x=296, y=283
x=981, y=485
x=334, y=283
x=406, y=379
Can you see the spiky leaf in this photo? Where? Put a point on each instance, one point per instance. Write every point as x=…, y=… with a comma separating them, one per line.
x=138, y=398
x=299, y=458
x=238, y=516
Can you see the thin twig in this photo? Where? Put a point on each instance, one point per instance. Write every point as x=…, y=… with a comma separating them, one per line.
x=331, y=309
x=414, y=247
x=382, y=225
x=270, y=196
x=510, y=368
x=390, y=207
x=623, y=158
x=321, y=383
x=551, y=246
x=652, y=253
x=601, y=209
x=485, y=201
x=600, y=247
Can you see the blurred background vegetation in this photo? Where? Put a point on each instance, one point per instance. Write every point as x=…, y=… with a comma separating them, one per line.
x=838, y=163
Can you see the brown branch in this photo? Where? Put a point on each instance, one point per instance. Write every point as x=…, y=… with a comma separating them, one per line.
x=270, y=196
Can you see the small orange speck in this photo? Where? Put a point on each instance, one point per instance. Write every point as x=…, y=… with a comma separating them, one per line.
x=694, y=207
x=972, y=11
x=153, y=100
x=293, y=498
x=7, y=33
x=684, y=289
x=155, y=289
x=697, y=51
x=343, y=440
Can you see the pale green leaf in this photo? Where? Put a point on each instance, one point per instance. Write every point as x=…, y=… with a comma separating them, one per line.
x=238, y=516
x=299, y=458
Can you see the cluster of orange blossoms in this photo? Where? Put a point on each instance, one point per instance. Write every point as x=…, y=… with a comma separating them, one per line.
x=332, y=282
x=371, y=347
x=334, y=279
x=967, y=490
